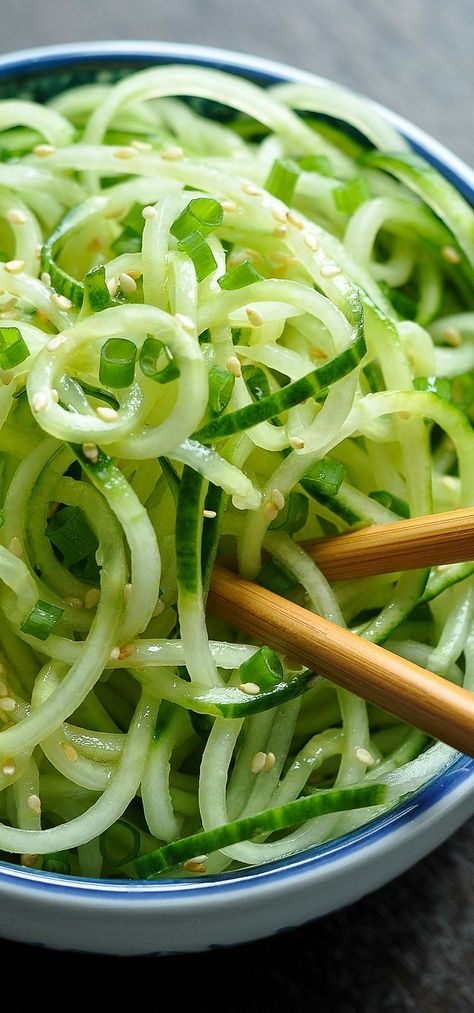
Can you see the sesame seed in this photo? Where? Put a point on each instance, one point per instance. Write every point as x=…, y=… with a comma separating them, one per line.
x=115, y=654
x=195, y=864
x=127, y=592
x=69, y=752
x=270, y=512
x=43, y=150
x=46, y=278
x=125, y=153
x=91, y=598
x=106, y=414
x=159, y=608
x=38, y=250
x=9, y=768
x=258, y=763
x=280, y=232
x=127, y=284
x=404, y=415
x=34, y=803
x=126, y=651
x=254, y=318
x=210, y=514
x=452, y=337
x=39, y=402
x=250, y=688
x=149, y=212
x=7, y=703
x=277, y=499
x=270, y=760
x=112, y=286
x=317, y=353
x=450, y=255
x=14, y=266
x=15, y=547
x=96, y=244
x=16, y=217
x=311, y=242
x=329, y=270
x=364, y=756
x=61, y=301
x=142, y=145
x=3, y=688
x=91, y=451
x=228, y=205
x=74, y=603
x=172, y=154
x=186, y=322
x=232, y=364
x=251, y=189
x=293, y=219
x=134, y=273
x=56, y=342
x=279, y=215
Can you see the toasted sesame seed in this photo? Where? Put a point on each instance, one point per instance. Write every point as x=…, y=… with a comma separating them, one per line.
x=293, y=219
x=329, y=270
x=251, y=189
x=14, y=266
x=270, y=512
x=16, y=217
x=258, y=763
x=195, y=864
x=69, y=751
x=134, y=273
x=125, y=153
x=91, y=598
x=74, y=603
x=127, y=592
x=404, y=415
x=172, y=154
x=126, y=651
x=270, y=760
x=39, y=402
x=46, y=278
x=7, y=703
x=311, y=242
x=3, y=688
x=115, y=654
x=38, y=250
x=228, y=205
x=450, y=255
x=34, y=803
x=127, y=284
x=364, y=756
x=186, y=322
x=279, y=215
x=277, y=499
x=43, y=150
x=56, y=342
x=112, y=286
x=210, y=514
x=142, y=145
x=280, y=232
x=159, y=608
x=254, y=318
x=61, y=301
x=317, y=353
x=9, y=768
x=232, y=364
x=452, y=337
x=149, y=212
x=250, y=688
x=107, y=414
x=91, y=451
x=15, y=547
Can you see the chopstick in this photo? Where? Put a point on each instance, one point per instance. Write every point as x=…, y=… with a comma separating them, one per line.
x=403, y=545
x=421, y=698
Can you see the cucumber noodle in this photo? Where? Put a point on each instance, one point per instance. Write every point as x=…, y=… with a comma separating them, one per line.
x=304, y=365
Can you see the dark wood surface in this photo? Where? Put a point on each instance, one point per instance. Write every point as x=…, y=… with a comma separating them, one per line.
x=410, y=946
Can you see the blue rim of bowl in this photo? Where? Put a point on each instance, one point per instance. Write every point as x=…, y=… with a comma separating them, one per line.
x=454, y=777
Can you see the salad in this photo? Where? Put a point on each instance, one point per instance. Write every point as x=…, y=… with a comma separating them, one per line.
x=231, y=319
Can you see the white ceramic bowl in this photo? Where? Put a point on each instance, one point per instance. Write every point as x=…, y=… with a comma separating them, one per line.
x=183, y=915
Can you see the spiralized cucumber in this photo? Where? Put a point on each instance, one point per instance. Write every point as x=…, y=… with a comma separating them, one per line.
x=219, y=336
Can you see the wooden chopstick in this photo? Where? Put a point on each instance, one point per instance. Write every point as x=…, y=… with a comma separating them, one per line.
x=421, y=698
x=404, y=545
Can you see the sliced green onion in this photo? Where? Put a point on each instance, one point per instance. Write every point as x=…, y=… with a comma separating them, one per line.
x=117, y=362
x=120, y=843
x=221, y=386
x=13, y=349
x=248, y=827
x=134, y=219
x=203, y=214
x=294, y=515
x=350, y=195
x=157, y=361
x=317, y=163
x=275, y=578
x=324, y=478
x=264, y=669
x=95, y=288
x=240, y=276
x=69, y=531
x=393, y=503
x=130, y=238
x=42, y=620
x=201, y=254
x=256, y=381
x=57, y=861
x=439, y=385
x=282, y=179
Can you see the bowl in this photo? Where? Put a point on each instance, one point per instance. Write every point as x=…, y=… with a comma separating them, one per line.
x=176, y=916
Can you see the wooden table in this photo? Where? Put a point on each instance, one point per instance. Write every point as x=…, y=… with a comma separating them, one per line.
x=410, y=946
